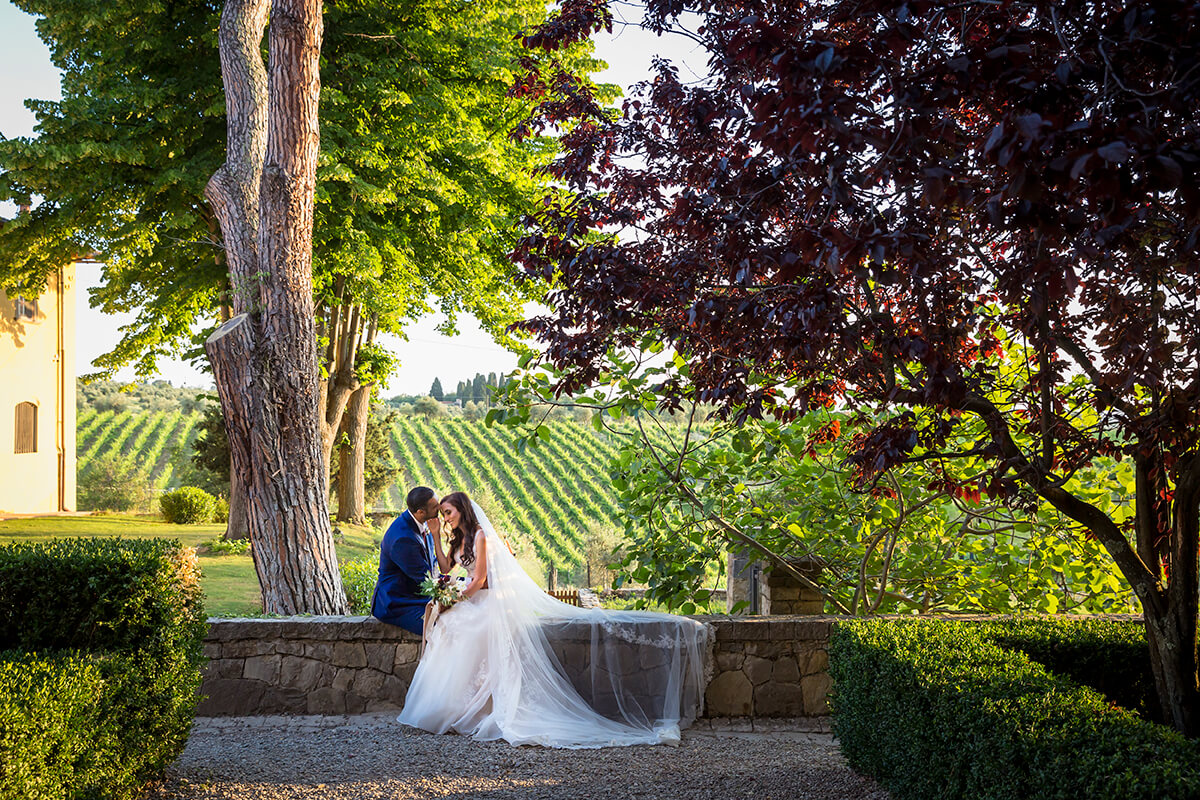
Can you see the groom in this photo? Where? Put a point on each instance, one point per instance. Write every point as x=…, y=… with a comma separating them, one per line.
x=406, y=557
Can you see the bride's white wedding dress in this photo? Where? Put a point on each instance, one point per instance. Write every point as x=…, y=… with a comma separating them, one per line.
x=513, y=663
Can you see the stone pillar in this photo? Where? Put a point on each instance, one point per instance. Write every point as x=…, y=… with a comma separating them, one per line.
x=740, y=582
x=780, y=593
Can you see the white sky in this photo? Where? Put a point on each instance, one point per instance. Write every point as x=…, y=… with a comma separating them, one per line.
x=27, y=73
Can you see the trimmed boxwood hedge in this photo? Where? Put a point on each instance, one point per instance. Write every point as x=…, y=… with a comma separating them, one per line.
x=1109, y=655
x=940, y=710
x=102, y=644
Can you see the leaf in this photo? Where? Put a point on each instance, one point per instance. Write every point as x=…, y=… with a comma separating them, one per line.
x=994, y=138
x=1114, y=152
x=824, y=60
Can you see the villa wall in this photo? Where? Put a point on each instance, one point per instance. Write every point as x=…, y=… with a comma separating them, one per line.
x=757, y=666
x=37, y=369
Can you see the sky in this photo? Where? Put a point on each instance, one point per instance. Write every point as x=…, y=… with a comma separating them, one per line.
x=28, y=73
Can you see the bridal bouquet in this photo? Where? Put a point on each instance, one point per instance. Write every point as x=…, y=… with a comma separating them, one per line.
x=443, y=589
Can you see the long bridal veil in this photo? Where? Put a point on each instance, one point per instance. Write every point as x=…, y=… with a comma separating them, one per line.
x=565, y=676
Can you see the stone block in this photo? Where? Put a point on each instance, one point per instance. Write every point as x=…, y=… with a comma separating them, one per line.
x=376, y=704
x=343, y=679
x=813, y=661
x=290, y=647
x=231, y=630
x=222, y=668
x=283, y=701
x=381, y=656
x=650, y=657
x=778, y=700
x=574, y=656
x=816, y=694
x=302, y=674
x=349, y=654
x=786, y=670
x=782, y=594
x=230, y=697
x=246, y=648
x=368, y=682
x=393, y=692
x=262, y=668
x=326, y=701
x=727, y=661
x=813, y=629
x=758, y=670
x=768, y=649
x=406, y=654
x=730, y=694
x=320, y=651
x=727, y=629
x=212, y=649
x=355, y=704
x=405, y=672
x=809, y=606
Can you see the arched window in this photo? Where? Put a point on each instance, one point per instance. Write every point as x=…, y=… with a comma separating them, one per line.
x=26, y=428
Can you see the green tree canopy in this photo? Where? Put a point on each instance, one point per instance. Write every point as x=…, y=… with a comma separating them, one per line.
x=419, y=185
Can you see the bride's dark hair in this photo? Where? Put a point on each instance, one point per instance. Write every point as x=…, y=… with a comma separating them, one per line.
x=464, y=532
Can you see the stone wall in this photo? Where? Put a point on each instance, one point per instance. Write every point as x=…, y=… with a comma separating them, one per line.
x=305, y=665
x=758, y=666
x=770, y=667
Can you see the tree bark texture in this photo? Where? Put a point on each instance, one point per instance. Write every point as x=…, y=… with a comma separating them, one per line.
x=238, y=525
x=341, y=324
x=264, y=359
x=352, y=503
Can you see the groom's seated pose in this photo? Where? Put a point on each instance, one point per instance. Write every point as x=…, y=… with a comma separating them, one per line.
x=406, y=557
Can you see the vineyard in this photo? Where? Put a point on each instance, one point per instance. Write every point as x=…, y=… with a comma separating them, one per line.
x=159, y=441
x=553, y=499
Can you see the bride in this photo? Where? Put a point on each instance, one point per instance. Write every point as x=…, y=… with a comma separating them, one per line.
x=510, y=662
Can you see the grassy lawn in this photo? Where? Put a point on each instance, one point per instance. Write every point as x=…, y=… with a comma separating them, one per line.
x=230, y=586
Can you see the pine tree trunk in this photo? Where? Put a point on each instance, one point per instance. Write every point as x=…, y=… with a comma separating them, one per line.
x=342, y=330
x=352, y=464
x=265, y=361
x=238, y=526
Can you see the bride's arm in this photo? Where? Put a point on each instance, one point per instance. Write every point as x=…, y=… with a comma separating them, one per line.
x=479, y=568
x=444, y=563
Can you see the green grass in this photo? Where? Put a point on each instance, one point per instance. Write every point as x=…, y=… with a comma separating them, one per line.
x=230, y=585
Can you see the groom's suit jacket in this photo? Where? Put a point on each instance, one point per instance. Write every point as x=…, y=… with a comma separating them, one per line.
x=403, y=564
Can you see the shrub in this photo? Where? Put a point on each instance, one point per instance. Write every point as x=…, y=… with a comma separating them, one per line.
x=358, y=579
x=1111, y=656
x=112, y=483
x=228, y=547
x=98, y=694
x=220, y=510
x=939, y=710
x=188, y=506
x=61, y=720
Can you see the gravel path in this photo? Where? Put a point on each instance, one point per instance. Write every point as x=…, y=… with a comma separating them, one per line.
x=371, y=757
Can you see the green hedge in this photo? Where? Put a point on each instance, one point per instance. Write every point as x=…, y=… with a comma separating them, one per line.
x=1111, y=656
x=98, y=686
x=937, y=710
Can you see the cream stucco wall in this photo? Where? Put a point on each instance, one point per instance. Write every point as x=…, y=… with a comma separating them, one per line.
x=37, y=365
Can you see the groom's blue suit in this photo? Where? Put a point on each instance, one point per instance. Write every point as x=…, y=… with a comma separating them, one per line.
x=403, y=563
